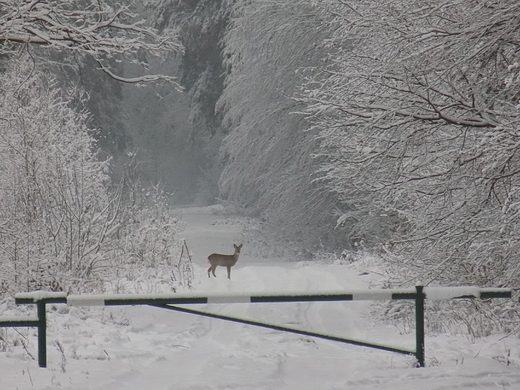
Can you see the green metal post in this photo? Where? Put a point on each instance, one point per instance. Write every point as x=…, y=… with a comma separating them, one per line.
x=419, y=323
x=42, y=334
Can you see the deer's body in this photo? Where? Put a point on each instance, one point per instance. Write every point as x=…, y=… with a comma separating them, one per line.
x=216, y=259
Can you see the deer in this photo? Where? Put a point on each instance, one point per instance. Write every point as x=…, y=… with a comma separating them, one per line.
x=216, y=259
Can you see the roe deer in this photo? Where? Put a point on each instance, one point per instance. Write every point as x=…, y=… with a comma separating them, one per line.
x=228, y=261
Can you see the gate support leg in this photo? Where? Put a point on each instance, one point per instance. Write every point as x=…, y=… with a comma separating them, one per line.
x=42, y=334
x=419, y=323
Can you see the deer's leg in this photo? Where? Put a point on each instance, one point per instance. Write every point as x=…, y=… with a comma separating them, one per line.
x=209, y=270
x=229, y=272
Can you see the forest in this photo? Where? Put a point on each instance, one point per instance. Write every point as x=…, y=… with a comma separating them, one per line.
x=390, y=127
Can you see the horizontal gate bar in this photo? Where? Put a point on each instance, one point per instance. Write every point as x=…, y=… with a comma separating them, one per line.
x=286, y=329
x=18, y=322
x=216, y=298
x=258, y=297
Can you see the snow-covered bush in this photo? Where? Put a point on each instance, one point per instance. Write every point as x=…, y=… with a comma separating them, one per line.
x=55, y=208
x=63, y=224
x=148, y=256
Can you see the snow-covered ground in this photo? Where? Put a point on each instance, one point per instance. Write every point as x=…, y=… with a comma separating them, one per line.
x=138, y=348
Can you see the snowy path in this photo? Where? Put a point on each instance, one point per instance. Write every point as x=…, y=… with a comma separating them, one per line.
x=145, y=348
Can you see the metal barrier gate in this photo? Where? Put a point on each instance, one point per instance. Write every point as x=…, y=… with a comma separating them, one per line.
x=165, y=301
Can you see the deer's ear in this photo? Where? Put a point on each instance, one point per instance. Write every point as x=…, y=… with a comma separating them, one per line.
x=240, y=246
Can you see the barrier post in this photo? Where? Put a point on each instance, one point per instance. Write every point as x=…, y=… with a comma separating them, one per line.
x=42, y=333
x=419, y=326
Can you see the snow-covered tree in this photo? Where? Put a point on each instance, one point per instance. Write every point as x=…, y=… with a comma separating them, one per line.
x=267, y=155
x=418, y=121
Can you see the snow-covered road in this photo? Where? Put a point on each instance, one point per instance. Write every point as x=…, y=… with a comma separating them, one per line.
x=146, y=348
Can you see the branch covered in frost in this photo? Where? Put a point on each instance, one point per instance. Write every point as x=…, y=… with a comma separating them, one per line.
x=418, y=121
x=92, y=28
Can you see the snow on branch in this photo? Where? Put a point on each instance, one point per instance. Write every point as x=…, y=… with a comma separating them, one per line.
x=96, y=29
x=136, y=80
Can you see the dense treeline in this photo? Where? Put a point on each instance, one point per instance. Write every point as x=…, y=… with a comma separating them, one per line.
x=389, y=126
x=269, y=167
